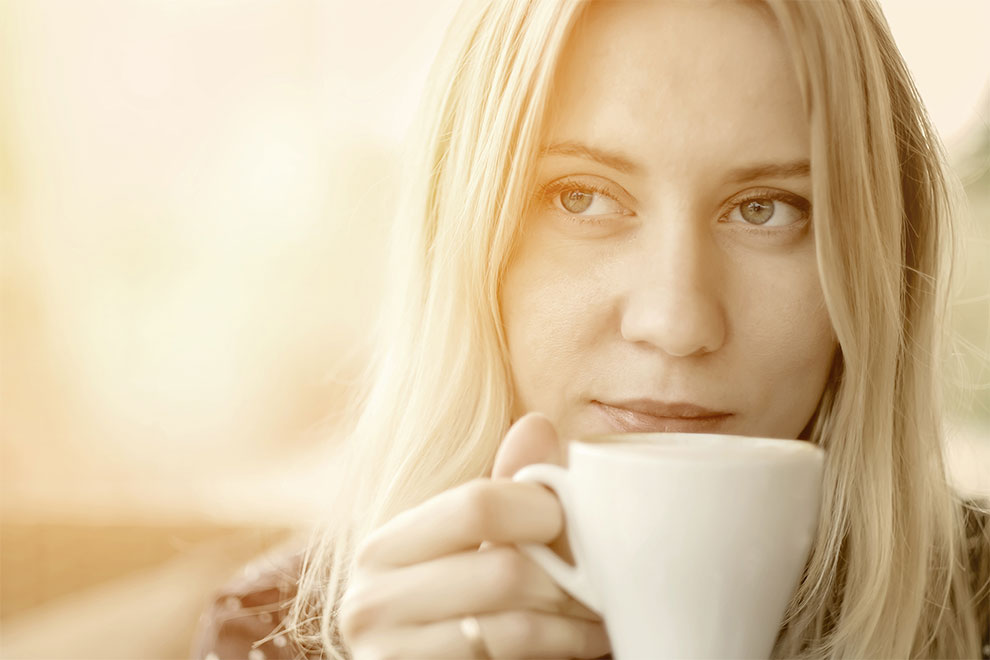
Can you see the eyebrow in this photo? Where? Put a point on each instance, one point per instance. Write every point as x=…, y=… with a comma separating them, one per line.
x=791, y=170
x=621, y=163
x=606, y=158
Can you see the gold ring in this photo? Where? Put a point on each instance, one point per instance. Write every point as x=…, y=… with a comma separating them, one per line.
x=471, y=630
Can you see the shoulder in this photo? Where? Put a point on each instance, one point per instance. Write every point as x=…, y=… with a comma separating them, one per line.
x=244, y=613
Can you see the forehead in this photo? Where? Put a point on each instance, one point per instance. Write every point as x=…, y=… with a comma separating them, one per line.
x=678, y=78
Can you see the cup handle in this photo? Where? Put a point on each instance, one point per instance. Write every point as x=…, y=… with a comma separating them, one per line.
x=573, y=579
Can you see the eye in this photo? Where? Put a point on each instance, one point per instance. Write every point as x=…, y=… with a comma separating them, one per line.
x=757, y=211
x=770, y=209
x=576, y=201
x=586, y=201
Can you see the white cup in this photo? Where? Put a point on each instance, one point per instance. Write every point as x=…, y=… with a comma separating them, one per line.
x=687, y=545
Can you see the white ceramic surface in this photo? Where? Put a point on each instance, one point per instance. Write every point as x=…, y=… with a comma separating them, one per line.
x=688, y=545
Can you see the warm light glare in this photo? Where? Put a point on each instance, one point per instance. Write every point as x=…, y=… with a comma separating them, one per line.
x=195, y=202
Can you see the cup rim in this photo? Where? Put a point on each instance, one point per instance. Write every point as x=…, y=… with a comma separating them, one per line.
x=606, y=443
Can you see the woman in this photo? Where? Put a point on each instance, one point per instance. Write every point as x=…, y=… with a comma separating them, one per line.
x=724, y=216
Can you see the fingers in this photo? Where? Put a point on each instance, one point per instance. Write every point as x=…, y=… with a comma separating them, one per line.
x=532, y=439
x=501, y=578
x=511, y=634
x=460, y=519
x=418, y=575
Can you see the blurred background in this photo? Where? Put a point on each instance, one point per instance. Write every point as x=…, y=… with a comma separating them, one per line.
x=193, y=196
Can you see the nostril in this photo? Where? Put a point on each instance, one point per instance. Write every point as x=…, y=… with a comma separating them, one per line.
x=680, y=326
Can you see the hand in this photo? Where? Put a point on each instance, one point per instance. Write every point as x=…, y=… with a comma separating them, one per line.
x=420, y=573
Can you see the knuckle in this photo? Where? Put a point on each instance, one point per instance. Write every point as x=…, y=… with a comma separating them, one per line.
x=509, y=572
x=348, y=622
x=480, y=509
x=357, y=611
x=363, y=552
x=521, y=627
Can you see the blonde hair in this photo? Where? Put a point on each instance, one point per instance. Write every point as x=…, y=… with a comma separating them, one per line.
x=885, y=578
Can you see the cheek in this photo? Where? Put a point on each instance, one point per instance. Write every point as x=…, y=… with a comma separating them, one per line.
x=550, y=320
x=786, y=340
x=787, y=324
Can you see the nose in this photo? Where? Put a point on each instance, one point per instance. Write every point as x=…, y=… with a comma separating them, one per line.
x=673, y=300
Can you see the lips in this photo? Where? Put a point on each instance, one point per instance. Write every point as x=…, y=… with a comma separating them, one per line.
x=648, y=415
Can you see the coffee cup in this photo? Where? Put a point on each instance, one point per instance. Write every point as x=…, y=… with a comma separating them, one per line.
x=687, y=545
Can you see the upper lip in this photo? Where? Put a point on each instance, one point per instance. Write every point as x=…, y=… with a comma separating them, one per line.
x=672, y=409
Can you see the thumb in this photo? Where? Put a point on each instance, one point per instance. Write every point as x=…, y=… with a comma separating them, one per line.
x=532, y=439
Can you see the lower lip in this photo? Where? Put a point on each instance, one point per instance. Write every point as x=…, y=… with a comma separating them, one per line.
x=628, y=421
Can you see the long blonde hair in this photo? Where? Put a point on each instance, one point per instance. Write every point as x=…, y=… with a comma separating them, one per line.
x=886, y=577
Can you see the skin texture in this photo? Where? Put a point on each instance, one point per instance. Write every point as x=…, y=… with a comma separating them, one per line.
x=417, y=575
x=665, y=294
x=656, y=295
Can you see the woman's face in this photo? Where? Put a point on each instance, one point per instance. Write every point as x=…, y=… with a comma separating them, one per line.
x=666, y=276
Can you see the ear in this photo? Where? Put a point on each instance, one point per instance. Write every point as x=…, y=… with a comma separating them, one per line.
x=532, y=439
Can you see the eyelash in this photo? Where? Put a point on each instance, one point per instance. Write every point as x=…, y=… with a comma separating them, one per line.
x=550, y=191
x=800, y=203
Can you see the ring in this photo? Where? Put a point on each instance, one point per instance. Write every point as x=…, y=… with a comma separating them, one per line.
x=471, y=630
